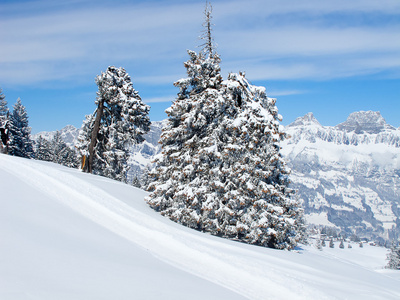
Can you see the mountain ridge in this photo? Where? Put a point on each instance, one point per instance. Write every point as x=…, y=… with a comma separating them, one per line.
x=347, y=175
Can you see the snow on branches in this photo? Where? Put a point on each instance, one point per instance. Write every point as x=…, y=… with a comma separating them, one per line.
x=220, y=170
x=120, y=120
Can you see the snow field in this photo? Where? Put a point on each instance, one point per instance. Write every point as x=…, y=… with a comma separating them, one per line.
x=70, y=235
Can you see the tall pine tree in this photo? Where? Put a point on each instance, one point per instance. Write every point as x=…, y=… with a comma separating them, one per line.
x=3, y=105
x=120, y=120
x=220, y=169
x=20, y=143
x=4, y=124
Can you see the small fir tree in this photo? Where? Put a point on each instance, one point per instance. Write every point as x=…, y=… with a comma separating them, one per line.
x=319, y=244
x=61, y=153
x=20, y=143
x=120, y=120
x=136, y=182
x=341, y=245
x=323, y=243
x=393, y=256
x=43, y=149
x=146, y=178
x=220, y=170
x=331, y=244
x=84, y=139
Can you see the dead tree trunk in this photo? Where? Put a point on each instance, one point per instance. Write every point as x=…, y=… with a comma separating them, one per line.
x=95, y=133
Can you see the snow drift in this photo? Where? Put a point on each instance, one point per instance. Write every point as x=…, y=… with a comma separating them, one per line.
x=70, y=235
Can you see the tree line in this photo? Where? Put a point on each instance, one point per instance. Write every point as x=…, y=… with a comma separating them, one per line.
x=16, y=138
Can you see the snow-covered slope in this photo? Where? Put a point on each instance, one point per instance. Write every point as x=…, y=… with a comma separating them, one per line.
x=71, y=235
x=347, y=175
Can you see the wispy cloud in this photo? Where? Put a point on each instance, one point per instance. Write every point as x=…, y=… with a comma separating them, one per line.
x=160, y=99
x=44, y=41
x=276, y=93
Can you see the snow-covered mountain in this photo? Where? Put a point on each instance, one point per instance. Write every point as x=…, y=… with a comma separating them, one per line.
x=347, y=175
x=66, y=234
x=69, y=134
x=143, y=154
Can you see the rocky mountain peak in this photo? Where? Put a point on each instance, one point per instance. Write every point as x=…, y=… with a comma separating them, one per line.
x=365, y=122
x=69, y=134
x=307, y=120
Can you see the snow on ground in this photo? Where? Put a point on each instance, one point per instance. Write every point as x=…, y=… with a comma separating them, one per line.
x=319, y=218
x=70, y=235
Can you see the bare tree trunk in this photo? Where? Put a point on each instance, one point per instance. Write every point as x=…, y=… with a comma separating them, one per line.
x=95, y=133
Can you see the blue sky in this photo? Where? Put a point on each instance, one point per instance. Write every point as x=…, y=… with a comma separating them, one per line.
x=326, y=57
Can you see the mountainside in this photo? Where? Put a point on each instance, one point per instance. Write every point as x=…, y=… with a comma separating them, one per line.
x=347, y=175
x=142, y=155
x=66, y=234
x=69, y=134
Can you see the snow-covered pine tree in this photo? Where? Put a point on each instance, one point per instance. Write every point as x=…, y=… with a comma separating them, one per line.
x=136, y=182
x=4, y=124
x=42, y=149
x=121, y=119
x=61, y=153
x=220, y=170
x=3, y=105
x=20, y=143
x=318, y=244
x=146, y=178
x=393, y=256
x=84, y=138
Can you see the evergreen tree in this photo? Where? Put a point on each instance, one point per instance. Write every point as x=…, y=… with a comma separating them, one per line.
x=341, y=245
x=331, y=244
x=84, y=137
x=20, y=143
x=43, y=149
x=136, y=182
x=220, y=169
x=393, y=256
x=319, y=244
x=120, y=120
x=323, y=244
x=61, y=153
x=146, y=178
x=4, y=124
x=3, y=105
